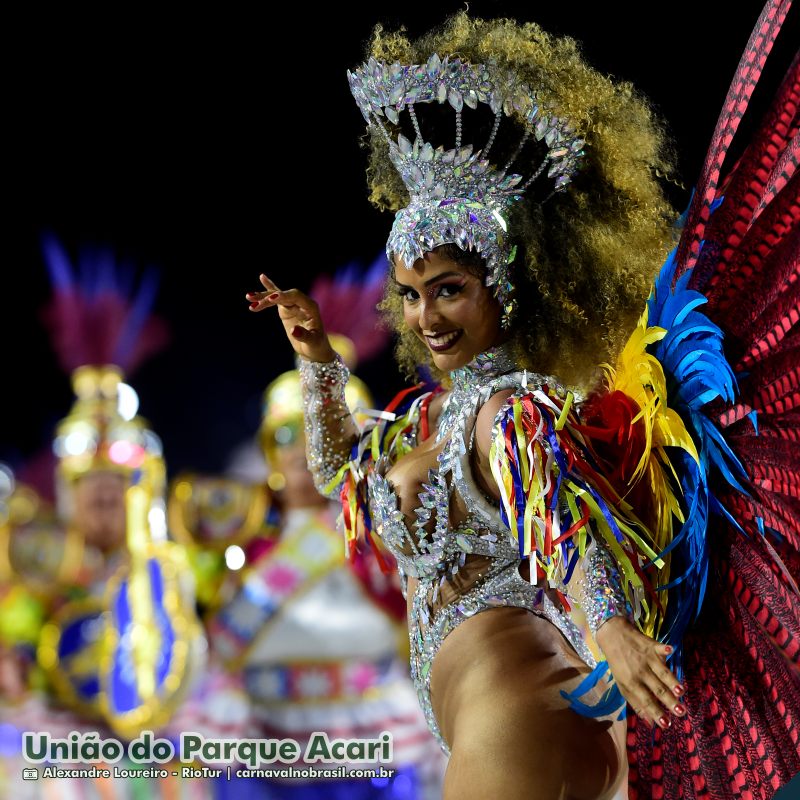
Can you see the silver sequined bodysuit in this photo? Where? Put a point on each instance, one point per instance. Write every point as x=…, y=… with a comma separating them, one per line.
x=433, y=550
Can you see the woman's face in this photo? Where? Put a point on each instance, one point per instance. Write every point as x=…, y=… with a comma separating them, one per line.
x=449, y=309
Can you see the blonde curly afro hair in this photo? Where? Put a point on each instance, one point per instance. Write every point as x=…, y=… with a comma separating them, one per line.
x=587, y=256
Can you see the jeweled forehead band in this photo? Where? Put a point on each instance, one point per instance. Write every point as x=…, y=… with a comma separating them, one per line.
x=457, y=196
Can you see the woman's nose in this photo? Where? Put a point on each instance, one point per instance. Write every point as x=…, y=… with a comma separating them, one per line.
x=429, y=315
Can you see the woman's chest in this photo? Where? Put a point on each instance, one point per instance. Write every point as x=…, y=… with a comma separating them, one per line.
x=414, y=475
x=420, y=500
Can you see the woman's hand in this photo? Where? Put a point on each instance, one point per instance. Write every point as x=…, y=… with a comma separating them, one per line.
x=638, y=665
x=300, y=317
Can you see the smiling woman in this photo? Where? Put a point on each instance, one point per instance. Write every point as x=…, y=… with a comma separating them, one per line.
x=555, y=551
x=456, y=309
x=449, y=308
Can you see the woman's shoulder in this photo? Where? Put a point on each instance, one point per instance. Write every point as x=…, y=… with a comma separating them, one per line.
x=487, y=414
x=533, y=387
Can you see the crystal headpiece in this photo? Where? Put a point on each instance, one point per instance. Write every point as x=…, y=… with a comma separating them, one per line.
x=457, y=196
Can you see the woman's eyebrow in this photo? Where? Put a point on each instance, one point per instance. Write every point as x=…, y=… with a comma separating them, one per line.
x=435, y=278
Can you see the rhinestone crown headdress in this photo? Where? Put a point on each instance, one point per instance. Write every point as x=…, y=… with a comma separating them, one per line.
x=457, y=196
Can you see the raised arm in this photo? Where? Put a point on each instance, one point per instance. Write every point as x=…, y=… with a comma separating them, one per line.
x=330, y=428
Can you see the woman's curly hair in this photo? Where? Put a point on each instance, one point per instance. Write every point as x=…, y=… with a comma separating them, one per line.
x=587, y=256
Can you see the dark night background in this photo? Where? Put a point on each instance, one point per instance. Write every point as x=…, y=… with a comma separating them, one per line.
x=223, y=143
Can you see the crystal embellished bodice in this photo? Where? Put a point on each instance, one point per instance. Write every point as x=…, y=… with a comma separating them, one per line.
x=431, y=548
x=433, y=551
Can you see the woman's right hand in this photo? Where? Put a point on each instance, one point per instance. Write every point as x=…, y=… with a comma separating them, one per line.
x=638, y=664
x=300, y=317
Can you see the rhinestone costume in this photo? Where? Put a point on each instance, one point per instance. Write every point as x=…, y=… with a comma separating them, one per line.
x=432, y=556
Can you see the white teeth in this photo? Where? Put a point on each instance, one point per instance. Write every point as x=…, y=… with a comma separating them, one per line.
x=442, y=341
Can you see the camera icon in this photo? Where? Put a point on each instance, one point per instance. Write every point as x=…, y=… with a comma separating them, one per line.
x=30, y=774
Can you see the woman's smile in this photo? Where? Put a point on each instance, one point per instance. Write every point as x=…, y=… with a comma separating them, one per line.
x=441, y=342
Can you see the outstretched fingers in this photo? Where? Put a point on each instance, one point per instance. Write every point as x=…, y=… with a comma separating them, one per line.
x=665, y=677
x=300, y=317
x=268, y=284
x=659, y=691
x=270, y=297
x=664, y=684
x=261, y=300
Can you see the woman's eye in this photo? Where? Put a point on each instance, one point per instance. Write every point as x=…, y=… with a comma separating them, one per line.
x=444, y=291
x=449, y=290
x=408, y=294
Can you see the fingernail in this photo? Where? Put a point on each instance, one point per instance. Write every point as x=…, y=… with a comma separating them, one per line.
x=663, y=722
x=668, y=648
x=679, y=709
x=273, y=296
x=678, y=691
x=253, y=305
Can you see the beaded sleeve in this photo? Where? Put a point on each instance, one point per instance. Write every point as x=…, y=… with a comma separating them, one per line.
x=329, y=426
x=601, y=595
